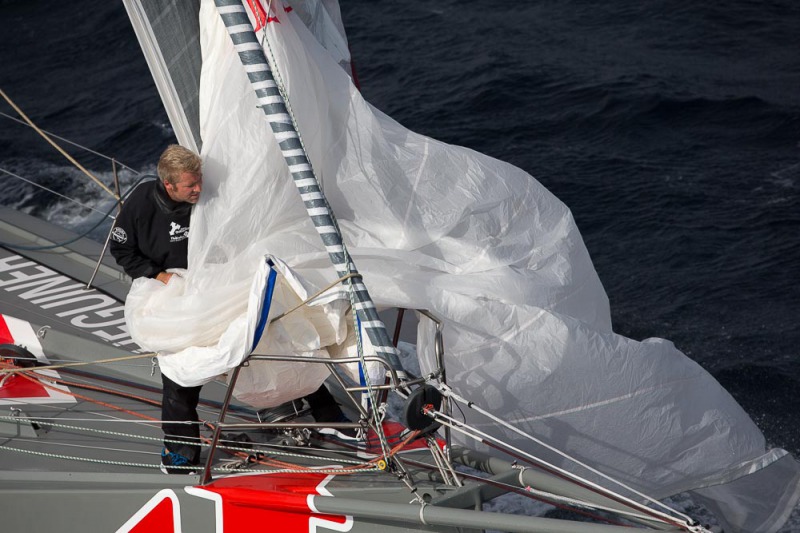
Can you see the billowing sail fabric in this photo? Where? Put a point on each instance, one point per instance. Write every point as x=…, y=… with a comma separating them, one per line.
x=202, y=324
x=489, y=250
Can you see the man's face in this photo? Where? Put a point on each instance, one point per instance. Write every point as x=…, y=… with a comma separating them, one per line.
x=187, y=189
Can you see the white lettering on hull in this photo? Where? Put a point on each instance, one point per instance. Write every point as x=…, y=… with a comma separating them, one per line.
x=97, y=313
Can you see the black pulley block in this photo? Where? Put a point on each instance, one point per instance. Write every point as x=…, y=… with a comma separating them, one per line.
x=21, y=356
x=414, y=417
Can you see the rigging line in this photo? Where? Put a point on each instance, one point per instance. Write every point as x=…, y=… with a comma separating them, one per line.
x=76, y=145
x=578, y=507
x=77, y=237
x=82, y=459
x=134, y=436
x=543, y=495
x=256, y=447
x=436, y=450
x=267, y=448
x=522, y=492
x=56, y=146
x=88, y=399
x=105, y=417
x=241, y=465
x=252, y=455
x=104, y=390
x=316, y=295
x=239, y=410
x=268, y=461
x=148, y=423
x=150, y=465
x=88, y=374
x=79, y=363
x=56, y=193
x=489, y=440
x=112, y=392
x=83, y=446
x=56, y=245
x=450, y=393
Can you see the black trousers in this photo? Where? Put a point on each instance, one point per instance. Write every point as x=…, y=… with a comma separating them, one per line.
x=180, y=422
x=179, y=418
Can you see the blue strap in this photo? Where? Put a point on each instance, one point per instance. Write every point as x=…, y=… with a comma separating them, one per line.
x=361, y=378
x=262, y=320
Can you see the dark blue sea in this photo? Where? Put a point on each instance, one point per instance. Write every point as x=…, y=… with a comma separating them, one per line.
x=670, y=128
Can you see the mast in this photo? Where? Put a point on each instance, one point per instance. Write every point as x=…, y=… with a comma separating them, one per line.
x=272, y=103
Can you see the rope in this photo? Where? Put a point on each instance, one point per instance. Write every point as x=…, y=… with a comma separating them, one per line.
x=79, y=236
x=79, y=363
x=451, y=394
x=96, y=388
x=161, y=439
x=487, y=439
x=150, y=465
x=56, y=146
x=54, y=192
x=76, y=145
x=315, y=295
x=244, y=453
x=88, y=399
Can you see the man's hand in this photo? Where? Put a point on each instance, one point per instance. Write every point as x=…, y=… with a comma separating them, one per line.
x=164, y=277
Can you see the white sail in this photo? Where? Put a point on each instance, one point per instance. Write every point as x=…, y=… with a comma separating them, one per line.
x=488, y=249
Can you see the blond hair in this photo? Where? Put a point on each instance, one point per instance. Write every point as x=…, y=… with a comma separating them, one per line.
x=176, y=160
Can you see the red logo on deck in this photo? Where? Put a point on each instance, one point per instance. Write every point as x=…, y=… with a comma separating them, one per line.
x=161, y=514
x=17, y=387
x=285, y=502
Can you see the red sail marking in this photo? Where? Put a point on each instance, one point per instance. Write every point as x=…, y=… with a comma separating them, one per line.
x=278, y=500
x=260, y=14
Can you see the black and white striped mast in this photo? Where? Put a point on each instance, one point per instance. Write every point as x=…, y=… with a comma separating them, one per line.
x=272, y=102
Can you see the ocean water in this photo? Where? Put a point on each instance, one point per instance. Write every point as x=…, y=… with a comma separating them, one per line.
x=670, y=129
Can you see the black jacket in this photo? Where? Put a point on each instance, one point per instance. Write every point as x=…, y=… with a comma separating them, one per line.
x=152, y=231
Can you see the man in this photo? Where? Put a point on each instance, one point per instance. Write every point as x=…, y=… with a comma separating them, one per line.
x=151, y=236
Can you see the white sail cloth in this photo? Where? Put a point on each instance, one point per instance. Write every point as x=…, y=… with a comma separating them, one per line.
x=488, y=249
x=202, y=334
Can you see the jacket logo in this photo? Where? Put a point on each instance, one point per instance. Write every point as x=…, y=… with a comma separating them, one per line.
x=119, y=235
x=177, y=232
